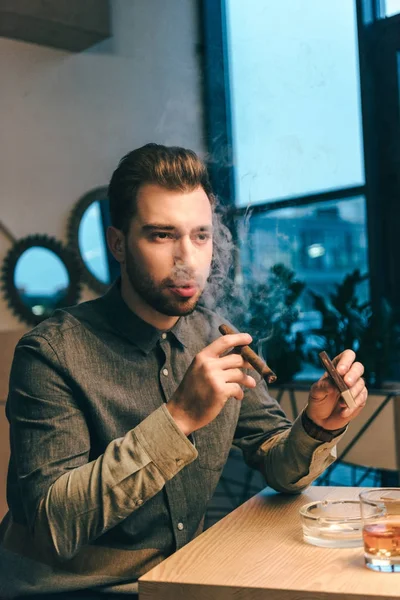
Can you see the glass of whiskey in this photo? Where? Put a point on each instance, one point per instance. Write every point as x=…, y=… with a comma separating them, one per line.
x=380, y=512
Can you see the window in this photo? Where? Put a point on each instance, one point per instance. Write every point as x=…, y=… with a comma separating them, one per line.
x=295, y=98
x=292, y=90
x=285, y=113
x=296, y=135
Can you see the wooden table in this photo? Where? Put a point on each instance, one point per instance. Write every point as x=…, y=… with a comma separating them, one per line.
x=257, y=552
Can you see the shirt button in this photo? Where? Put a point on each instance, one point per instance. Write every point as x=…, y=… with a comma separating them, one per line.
x=179, y=462
x=165, y=372
x=164, y=336
x=139, y=502
x=180, y=526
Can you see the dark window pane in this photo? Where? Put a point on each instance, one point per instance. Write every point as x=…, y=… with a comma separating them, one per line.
x=321, y=242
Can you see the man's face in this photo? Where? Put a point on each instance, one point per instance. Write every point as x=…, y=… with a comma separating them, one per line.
x=168, y=248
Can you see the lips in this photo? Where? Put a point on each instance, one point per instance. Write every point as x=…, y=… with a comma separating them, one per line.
x=184, y=291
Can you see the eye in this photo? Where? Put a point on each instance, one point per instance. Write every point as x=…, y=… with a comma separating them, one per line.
x=202, y=237
x=159, y=236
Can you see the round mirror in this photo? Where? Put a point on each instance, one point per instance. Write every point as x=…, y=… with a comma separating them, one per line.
x=41, y=280
x=40, y=275
x=87, y=237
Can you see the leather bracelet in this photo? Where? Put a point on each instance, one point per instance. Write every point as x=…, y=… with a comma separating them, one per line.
x=317, y=432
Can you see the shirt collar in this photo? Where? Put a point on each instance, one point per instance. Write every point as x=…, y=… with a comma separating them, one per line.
x=131, y=326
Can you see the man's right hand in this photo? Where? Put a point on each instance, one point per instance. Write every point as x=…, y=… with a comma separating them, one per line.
x=211, y=379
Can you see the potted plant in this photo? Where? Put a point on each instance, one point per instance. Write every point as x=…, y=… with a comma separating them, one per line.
x=346, y=322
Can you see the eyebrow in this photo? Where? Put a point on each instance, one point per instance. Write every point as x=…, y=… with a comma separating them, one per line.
x=151, y=226
x=161, y=226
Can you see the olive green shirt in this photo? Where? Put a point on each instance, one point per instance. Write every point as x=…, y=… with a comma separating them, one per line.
x=102, y=484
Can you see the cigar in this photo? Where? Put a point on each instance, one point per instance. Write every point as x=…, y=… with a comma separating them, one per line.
x=337, y=379
x=248, y=354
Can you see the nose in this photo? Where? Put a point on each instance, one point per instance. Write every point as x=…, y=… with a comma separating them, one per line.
x=184, y=251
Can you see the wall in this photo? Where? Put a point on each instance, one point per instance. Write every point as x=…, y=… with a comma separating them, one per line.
x=66, y=119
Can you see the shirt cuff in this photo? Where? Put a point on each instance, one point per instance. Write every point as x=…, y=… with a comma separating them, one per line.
x=319, y=454
x=307, y=444
x=163, y=441
x=317, y=432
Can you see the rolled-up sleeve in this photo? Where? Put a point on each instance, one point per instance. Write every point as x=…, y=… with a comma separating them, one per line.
x=292, y=460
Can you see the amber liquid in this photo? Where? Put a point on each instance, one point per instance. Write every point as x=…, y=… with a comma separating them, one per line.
x=382, y=540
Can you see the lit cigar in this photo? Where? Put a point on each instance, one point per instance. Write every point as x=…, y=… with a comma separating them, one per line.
x=338, y=380
x=248, y=354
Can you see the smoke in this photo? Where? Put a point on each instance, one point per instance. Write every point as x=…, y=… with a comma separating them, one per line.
x=221, y=279
x=225, y=292
x=182, y=275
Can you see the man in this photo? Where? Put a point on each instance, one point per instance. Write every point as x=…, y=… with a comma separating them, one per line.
x=123, y=409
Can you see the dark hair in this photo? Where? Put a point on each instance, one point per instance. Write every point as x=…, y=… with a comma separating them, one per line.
x=172, y=167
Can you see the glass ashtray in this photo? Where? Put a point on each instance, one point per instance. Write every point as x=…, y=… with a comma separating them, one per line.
x=332, y=523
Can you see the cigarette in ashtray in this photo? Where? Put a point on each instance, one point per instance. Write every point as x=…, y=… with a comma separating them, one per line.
x=248, y=354
x=338, y=380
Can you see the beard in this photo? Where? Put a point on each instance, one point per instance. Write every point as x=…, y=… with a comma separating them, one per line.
x=157, y=294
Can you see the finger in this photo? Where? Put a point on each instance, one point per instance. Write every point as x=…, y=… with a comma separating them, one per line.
x=344, y=361
x=360, y=400
x=234, y=391
x=237, y=376
x=354, y=374
x=227, y=342
x=230, y=361
x=358, y=387
x=238, y=350
x=357, y=391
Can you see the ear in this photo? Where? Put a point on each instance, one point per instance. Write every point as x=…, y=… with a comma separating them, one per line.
x=116, y=243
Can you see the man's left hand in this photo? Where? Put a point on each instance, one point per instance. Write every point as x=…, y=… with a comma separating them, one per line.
x=325, y=407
